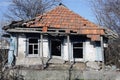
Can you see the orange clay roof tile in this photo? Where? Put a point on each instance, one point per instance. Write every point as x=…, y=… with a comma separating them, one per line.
x=62, y=17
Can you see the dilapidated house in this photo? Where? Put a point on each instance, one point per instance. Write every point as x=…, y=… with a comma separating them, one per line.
x=57, y=34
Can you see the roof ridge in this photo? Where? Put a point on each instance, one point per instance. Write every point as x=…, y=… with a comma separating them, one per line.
x=61, y=4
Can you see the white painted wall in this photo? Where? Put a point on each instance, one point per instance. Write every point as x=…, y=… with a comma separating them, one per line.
x=98, y=54
x=90, y=51
x=21, y=46
x=65, y=50
x=22, y=59
x=21, y=50
x=46, y=51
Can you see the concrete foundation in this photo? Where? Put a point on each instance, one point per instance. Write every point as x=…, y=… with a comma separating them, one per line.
x=66, y=75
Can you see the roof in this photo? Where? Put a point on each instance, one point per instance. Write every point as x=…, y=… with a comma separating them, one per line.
x=111, y=34
x=62, y=18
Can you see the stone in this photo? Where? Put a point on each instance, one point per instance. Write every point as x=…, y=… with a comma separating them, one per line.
x=93, y=65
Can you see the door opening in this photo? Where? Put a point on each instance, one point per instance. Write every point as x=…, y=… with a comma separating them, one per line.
x=56, y=47
x=77, y=50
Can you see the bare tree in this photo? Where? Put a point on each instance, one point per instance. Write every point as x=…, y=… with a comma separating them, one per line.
x=107, y=13
x=2, y=23
x=27, y=9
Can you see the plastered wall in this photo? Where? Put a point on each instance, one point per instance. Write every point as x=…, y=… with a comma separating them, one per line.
x=90, y=53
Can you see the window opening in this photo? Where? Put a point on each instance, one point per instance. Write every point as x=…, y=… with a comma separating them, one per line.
x=33, y=46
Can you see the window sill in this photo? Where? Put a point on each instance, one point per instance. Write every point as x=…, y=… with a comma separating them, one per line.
x=32, y=55
x=78, y=60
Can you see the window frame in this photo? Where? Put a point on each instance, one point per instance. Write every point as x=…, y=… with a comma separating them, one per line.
x=28, y=45
x=79, y=48
x=78, y=59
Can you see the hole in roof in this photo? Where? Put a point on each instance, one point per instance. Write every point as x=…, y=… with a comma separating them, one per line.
x=84, y=24
x=71, y=31
x=61, y=30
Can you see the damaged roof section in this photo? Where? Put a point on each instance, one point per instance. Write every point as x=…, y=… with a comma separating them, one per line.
x=110, y=34
x=61, y=18
x=13, y=24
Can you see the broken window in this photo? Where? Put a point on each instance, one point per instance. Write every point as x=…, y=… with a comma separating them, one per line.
x=77, y=50
x=33, y=46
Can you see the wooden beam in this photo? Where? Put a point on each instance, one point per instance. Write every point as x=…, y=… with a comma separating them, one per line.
x=32, y=31
x=41, y=50
x=102, y=50
x=41, y=45
x=68, y=42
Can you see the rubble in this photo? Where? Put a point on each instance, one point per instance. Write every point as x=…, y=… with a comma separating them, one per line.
x=93, y=65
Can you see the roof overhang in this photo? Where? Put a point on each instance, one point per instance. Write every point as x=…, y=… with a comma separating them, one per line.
x=110, y=34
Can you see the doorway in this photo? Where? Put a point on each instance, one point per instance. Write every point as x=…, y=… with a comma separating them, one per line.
x=56, y=47
x=77, y=50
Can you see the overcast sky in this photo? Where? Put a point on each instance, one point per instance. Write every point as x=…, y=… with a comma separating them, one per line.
x=81, y=7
